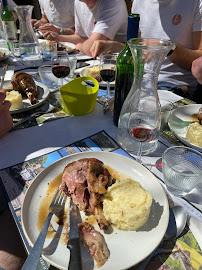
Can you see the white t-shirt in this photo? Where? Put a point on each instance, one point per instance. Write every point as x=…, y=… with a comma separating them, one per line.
x=174, y=20
x=107, y=17
x=58, y=12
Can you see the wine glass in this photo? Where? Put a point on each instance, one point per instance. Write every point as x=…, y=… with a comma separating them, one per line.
x=144, y=123
x=60, y=65
x=107, y=68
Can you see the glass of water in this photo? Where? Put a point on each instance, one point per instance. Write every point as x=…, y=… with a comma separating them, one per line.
x=72, y=62
x=182, y=169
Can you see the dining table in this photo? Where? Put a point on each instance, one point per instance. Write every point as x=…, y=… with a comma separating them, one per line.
x=57, y=134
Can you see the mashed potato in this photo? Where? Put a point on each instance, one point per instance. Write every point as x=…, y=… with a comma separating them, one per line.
x=194, y=134
x=15, y=99
x=127, y=205
x=92, y=71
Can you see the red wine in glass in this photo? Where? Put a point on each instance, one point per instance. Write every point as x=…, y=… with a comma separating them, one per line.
x=142, y=134
x=61, y=71
x=107, y=75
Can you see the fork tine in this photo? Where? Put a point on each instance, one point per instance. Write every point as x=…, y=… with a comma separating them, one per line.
x=58, y=201
x=55, y=196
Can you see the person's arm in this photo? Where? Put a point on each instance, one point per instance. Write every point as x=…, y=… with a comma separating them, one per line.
x=64, y=38
x=85, y=46
x=183, y=57
x=48, y=27
x=197, y=69
x=6, y=120
x=105, y=46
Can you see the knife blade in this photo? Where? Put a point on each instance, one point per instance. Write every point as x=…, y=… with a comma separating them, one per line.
x=75, y=262
x=5, y=67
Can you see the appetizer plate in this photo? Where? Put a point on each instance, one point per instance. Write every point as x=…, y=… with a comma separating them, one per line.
x=81, y=56
x=127, y=248
x=102, y=83
x=179, y=121
x=27, y=106
x=70, y=47
x=7, y=54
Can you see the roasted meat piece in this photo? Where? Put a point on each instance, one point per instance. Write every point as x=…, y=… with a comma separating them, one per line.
x=97, y=77
x=24, y=83
x=95, y=243
x=85, y=181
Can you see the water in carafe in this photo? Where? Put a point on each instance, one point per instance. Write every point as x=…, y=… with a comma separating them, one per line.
x=30, y=52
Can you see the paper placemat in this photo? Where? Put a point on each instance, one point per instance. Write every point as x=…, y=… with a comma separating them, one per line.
x=184, y=252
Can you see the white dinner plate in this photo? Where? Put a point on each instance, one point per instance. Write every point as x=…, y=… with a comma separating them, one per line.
x=70, y=47
x=179, y=121
x=43, y=95
x=81, y=56
x=102, y=83
x=127, y=248
x=7, y=53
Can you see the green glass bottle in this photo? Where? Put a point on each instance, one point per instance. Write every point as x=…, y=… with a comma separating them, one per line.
x=125, y=68
x=9, y=25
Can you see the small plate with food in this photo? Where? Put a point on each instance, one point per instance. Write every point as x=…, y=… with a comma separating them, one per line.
x=186, y=123
x=93, y=71
x=4, y=54
x=67, y=46
x=121, y=203
x=26, y=94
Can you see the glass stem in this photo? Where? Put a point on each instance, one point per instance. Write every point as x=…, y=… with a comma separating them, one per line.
x=139, y=153
x=108, y=89
x=61, y=82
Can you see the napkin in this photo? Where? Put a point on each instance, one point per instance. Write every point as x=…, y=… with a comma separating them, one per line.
x=9, y=73
x=164, y=94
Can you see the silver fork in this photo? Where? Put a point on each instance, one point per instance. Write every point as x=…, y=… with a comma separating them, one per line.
x=45, y=109
x=55, y=207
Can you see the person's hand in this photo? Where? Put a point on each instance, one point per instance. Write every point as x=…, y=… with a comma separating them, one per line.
x=105, y=46
x=197, y=69
x=78, y=45
x=49, y=27
x=50, y=35
x=36, y=23
x=6, y=120
x=33, y=21
x=100, y=47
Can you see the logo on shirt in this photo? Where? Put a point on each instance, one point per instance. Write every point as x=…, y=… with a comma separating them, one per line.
x=176, y=19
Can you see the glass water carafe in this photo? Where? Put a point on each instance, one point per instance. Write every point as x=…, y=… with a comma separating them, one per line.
x=30, y=52
x=142, y=107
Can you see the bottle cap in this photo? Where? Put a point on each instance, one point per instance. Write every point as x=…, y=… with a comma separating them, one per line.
x=133, y=26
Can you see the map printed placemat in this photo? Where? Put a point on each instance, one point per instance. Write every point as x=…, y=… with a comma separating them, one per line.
x=183, y=253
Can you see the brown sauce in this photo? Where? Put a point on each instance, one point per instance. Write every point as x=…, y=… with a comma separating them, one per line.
x=193, y=118
x=44, y=207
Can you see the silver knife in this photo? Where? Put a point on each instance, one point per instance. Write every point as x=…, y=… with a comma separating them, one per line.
x=5, y=67
x=75, y=262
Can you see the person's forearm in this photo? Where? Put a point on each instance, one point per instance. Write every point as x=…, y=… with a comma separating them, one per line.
x=184, y=57
x=70, y=38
